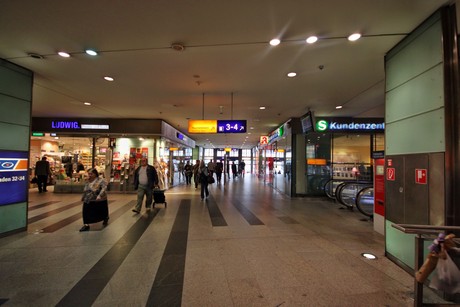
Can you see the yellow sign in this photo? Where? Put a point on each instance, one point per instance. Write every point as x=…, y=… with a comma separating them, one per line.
x=173, y=148
x=227, y=149
x=202, y=126
x=316, y=161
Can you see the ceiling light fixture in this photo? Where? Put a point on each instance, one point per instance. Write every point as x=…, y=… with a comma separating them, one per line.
x=87, y=103
x=91, y=52
x=107, y=78
x=178, y=46
x=64, y=54
x=292, y=74
x=36, y=56
x=275, y=42
x=354, y=37
x=312, y=39
x=262, y=108
x=338, y=107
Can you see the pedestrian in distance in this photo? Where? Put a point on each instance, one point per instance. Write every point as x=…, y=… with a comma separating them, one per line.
x=188, y=173
x=219, y=170
x=95, y=205
x=196, y=169
x=234, y=170
x=43, y=172
x=203, y=175
x=145, y=179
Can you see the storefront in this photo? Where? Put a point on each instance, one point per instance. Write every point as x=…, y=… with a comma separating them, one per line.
x=337, y=148
x=112, y=146
x=275, y=157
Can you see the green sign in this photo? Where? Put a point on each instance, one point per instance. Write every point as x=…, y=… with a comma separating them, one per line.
x=38, y=134
x=321, y=125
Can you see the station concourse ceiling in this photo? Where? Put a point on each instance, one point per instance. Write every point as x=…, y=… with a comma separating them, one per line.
x=207, y=59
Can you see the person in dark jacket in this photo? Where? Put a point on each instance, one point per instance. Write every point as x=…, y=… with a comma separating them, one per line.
x=42, y=171
x=145, y=179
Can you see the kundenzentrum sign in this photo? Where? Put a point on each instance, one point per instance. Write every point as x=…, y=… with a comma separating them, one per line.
x=346, y=124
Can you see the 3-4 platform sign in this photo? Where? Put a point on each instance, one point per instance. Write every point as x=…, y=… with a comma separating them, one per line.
x=231, y=126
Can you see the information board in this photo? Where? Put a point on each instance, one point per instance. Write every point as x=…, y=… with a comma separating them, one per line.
x=13, y=177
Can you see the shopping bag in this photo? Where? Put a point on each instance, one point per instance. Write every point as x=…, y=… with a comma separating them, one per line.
x=447, y=277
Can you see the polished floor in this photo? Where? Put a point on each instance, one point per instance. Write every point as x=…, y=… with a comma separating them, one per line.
x=245, y=245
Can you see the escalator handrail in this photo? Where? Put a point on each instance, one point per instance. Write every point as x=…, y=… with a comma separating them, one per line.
x=342, y=187
x=358, y=206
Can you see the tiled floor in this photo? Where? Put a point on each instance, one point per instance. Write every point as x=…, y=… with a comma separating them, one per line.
x=246, y=245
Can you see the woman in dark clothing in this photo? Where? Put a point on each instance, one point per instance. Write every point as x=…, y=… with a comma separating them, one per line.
x=95, y=207
x=203, y=174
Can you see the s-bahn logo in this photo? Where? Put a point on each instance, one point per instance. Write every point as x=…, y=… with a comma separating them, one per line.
x=13, y=164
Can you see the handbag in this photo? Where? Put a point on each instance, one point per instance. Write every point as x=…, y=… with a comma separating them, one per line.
x=34, y=180
x=211, y=179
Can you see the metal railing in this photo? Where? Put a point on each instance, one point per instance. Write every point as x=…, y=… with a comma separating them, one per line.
x=419, y=231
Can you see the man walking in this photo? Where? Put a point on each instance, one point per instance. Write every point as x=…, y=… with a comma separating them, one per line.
x=145, y=179
x=42, y=171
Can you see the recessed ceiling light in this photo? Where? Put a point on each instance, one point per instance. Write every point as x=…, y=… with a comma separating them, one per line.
x=35, y=56
x=354, y=37
x=262, y=108
x=338, y=107
x=311, y=39
x=64, y=54
x=87, y=103
x=275, y=42
x=292, y=74
x=91, y=52
x=108, y=78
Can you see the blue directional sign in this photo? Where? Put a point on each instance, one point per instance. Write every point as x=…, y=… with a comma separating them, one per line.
x=231, y=126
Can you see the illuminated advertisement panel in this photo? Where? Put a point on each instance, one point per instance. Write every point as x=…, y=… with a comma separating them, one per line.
x=13, y=177
x=202, y=126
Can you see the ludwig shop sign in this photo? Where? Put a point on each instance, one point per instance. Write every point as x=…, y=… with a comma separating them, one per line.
x=348, y=124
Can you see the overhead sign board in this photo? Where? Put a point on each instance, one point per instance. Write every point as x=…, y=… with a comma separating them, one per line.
x=347, y=124
x=231, y=126
x=216, y=126
x=202, y=126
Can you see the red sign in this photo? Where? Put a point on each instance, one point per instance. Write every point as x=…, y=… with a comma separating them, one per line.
x=391, y=173
x=263, y=140
x=420, y=176
x=379, y=187
x=390, y=162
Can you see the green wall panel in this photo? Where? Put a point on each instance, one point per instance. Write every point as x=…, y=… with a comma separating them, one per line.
x=14, y=137
x=419, y=95
x=18, y=110
x=424, y=52
x=419, y=134
x=15, y=81
x=13, y=217
x=399, y=244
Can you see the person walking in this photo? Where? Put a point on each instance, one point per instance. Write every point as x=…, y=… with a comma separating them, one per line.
x=43, y=172
x=234, y=170
x=145, y=179
x=180, y=169
x=211, y=167
x=219, y=170
x=188, y=173
x=203, y=175
x=95, y=206
x=241, y=167
x=196, y=169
